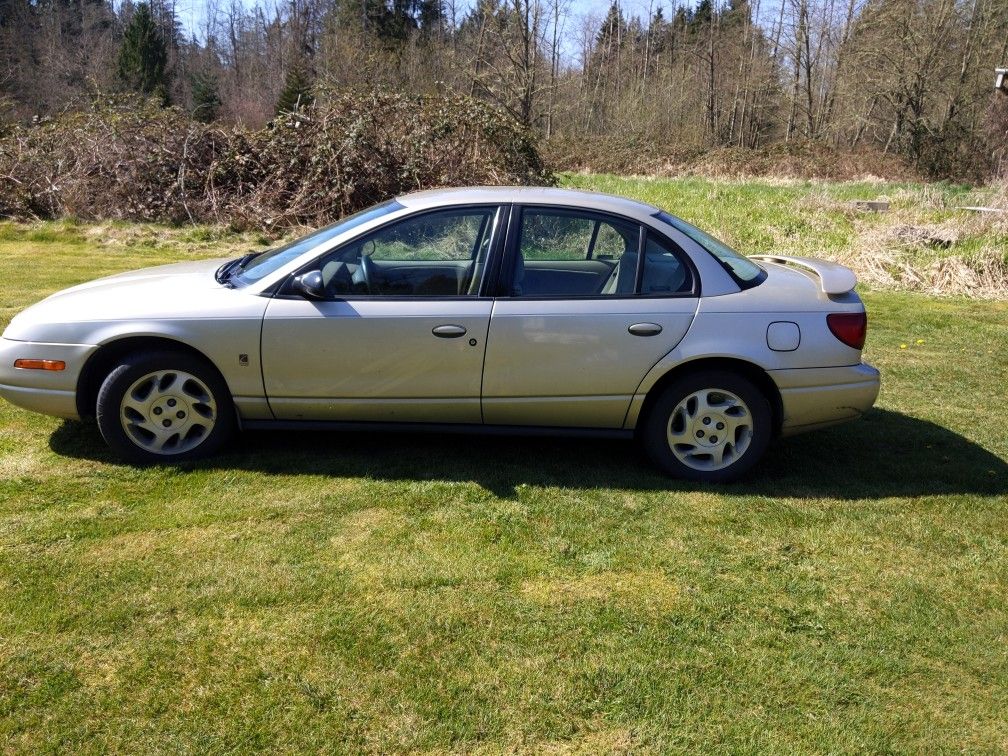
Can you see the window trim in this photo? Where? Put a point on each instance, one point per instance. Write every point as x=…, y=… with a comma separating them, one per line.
x=681, y=255
x=639, y=272
x=498, y=219
x=501, y=286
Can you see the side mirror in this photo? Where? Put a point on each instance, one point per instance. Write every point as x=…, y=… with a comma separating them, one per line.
x=310, y=286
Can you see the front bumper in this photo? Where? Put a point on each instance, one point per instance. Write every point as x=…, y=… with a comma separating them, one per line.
x=45, y=391
x=817, y=397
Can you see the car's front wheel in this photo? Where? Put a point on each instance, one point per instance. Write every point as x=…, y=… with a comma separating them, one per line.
x=164, y=407
x=711, y=425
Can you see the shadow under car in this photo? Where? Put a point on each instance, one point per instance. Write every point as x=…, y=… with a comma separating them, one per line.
x=887, y=454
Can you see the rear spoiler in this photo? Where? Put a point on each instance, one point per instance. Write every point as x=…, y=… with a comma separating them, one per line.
x=833, y=278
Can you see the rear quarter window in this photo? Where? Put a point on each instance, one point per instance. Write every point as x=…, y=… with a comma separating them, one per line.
x=744, y=271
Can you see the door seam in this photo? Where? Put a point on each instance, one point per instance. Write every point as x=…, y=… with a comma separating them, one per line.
x=486, y=348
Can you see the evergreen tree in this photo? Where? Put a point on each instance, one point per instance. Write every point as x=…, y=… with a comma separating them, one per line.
x=681, y=19
x=205, y=97
x=659, y=31
x=297, y=92
x=143, y=57
x=737, y=12
x=391, y=21
x=702, y=16
x=483, y=13
x=428, y=14
x=613, y=30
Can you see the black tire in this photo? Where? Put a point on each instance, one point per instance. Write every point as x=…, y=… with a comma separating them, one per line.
x=655, y=428
x=136, y=366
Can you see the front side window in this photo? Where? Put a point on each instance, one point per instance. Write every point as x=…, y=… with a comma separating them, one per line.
x=441, y=253
x=273, y=259
x=564, y=253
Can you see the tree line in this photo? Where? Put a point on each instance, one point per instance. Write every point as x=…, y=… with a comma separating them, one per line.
x=911, y=78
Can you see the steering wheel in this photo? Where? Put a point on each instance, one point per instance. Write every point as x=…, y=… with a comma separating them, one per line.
x=367, y=271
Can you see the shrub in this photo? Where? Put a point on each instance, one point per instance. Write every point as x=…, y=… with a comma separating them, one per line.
x=131, y=160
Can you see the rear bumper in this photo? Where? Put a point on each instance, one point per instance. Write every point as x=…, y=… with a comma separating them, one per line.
x=45, y=391
x=817, y=397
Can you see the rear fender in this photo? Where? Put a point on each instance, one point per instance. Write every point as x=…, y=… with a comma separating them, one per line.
x=743, y=337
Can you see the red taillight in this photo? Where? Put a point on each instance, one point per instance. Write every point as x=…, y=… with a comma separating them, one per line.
x=849, y=327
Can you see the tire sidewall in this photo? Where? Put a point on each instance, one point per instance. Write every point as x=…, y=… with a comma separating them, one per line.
x=655, y=438
x=134, y=367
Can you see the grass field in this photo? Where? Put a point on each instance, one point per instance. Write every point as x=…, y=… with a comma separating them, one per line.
x=348, y=593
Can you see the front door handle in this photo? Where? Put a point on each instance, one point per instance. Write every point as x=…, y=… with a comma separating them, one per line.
x=645, y=329
x=449, y=331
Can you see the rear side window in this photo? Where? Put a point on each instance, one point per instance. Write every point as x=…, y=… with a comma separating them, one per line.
x=567, y=236
x=664, y=270
x=564, y=253
x=569, y=253
x=610, y=244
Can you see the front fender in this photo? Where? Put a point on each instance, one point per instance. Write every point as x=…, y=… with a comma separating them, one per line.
x=231, y=345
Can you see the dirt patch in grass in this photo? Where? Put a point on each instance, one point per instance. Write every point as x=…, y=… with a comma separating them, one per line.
x=653, y=588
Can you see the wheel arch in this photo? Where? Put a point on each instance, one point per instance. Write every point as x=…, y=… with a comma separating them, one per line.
x=105, y=358
x=749, y=370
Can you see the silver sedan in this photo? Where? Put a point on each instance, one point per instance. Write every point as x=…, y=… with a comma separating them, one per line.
x=507, y=310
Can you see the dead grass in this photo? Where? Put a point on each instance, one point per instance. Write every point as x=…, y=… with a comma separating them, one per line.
x=925, y=241
x=795, y=161
x=609, y=587
x=964, y=254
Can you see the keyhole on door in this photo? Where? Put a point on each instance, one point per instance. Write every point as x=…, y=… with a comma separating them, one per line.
x=472, y=342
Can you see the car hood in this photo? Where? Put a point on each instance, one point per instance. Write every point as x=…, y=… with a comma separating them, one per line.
x=162, y=278
x=168, y=292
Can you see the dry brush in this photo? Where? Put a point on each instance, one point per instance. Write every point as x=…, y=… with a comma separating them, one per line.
x=125, y=160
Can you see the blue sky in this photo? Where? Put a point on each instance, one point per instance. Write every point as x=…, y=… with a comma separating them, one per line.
x=192, y=12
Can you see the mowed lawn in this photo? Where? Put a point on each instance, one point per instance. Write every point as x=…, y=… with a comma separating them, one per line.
x=348, y=592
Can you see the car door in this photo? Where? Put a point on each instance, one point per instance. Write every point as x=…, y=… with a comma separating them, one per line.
x=580, y=322
x=401, y=331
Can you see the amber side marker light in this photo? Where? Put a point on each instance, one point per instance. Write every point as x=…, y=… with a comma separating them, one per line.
x=40, y=364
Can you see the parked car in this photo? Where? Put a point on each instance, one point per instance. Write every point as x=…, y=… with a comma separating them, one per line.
x=487, y=309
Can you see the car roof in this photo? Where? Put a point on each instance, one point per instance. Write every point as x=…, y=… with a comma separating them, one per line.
x=535, y=195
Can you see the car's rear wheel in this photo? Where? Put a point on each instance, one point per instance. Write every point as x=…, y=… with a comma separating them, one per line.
x=711, y=425
x=164, y=407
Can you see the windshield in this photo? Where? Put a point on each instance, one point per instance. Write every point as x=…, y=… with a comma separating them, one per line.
x=744, y=271
x=273, y=259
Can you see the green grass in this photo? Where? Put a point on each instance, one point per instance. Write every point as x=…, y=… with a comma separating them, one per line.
x=350, y=593
x=762, y=216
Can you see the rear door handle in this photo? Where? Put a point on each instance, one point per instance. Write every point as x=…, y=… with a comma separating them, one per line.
x=645, y=329
x=449, y=331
